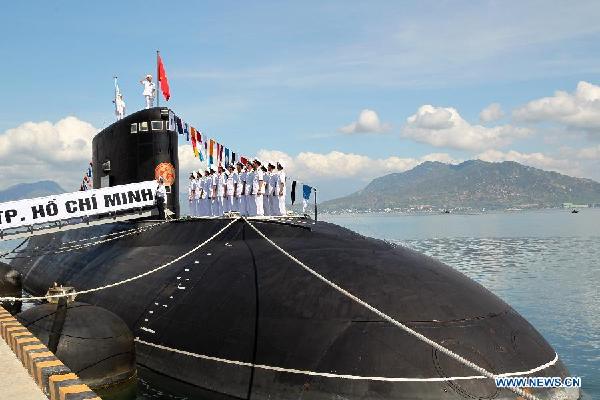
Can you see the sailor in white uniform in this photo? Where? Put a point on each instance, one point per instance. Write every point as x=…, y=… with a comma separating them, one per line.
x=119, y=107
x=213, y=193
x=250, y=203
x=272, y=186
x=161, y=197
x=191, y=194
x=198, y=194
x=149, y=91
x=229, y=189
x=280, y=191
x=258, y=188
x=206, y=190
x=220, y=186
x=267, y=180
x=238, y=183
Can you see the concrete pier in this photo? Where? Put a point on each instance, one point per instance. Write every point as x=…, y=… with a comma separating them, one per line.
x=17, y=383
x=27, y=364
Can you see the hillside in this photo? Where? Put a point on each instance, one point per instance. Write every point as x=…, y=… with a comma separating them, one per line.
x=473, y=184
x=29, y=190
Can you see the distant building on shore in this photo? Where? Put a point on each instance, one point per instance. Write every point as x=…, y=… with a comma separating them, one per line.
x=571, y=205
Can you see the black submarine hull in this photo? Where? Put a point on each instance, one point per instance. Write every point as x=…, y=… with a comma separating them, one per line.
x=251, y=310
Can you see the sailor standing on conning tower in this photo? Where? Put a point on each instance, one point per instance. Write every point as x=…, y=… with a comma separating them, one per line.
x=119, y=107
x=149, y=91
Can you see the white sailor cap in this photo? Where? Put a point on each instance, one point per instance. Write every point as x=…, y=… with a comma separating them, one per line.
x=280, y=163
x=270, y=164
x=194, y=174
x=149, y=76
x=257, y=160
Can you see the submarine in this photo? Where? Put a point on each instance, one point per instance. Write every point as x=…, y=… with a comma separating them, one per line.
x=229, y=312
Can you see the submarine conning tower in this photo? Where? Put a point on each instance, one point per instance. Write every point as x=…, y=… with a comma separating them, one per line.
x=140, y=147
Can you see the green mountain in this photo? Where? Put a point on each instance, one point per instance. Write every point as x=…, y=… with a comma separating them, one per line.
x=473, y=184
x=30, y=190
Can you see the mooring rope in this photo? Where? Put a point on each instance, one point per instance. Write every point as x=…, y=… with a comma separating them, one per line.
x=341, y=376
x=391, y=320
x=124, y=281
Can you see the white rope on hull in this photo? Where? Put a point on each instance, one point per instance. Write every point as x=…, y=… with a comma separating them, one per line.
x=342, y=376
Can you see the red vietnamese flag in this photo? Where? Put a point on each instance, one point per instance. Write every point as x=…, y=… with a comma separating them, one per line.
x=162, y=78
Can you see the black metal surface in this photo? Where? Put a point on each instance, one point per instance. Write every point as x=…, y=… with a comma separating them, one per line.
x=134, y=156
x=299, y=322
x=94, y=343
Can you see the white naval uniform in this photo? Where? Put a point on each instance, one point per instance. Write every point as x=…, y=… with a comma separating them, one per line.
x=273, y=199
x=197, y=200
x=192, y=203
x=149, y=91
x=250, y=203
x=220, y=194
x=266, y=197
x=241, y=199
x=213, y=195
x=237, y=182
x=119, y=108
x=258, y=190
x=280, y=202
x=229, y=186
x=206, y=188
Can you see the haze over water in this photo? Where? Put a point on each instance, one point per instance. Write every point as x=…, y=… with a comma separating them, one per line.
x=545, y=264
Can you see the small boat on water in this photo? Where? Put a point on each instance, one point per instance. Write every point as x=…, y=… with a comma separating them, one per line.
x=574, y=211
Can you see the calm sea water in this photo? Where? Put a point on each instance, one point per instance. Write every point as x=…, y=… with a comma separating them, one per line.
x=545, y=264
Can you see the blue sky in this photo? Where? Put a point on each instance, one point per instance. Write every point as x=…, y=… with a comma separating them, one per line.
x=289, y=79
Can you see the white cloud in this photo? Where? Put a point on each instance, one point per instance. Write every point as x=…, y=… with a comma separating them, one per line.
x=589, y=153
x=444, y=127
x=35, y=151
x=336, y=164
x=368, y=122
x=580, y=109
x=538, y=160
x=491, y=113
x=187, y=161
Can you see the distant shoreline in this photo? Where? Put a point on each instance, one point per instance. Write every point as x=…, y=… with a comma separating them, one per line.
x=437, y=212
